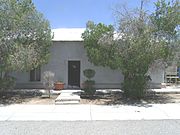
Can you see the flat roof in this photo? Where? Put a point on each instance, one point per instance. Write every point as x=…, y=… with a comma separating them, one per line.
x=67, y=34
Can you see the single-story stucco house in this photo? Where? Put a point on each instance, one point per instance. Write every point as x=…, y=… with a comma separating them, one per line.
x=68, y=60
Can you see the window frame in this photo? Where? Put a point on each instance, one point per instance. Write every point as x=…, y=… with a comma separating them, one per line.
x=35, y=75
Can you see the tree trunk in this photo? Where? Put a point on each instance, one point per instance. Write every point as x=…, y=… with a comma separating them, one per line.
x=6, y=74
x=49, y=93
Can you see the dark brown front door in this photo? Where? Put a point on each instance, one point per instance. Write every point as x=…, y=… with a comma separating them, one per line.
x=74, y=73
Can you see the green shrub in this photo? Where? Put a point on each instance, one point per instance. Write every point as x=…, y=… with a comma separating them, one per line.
x=89, y=73
x=89, y=91
x=135, y=86
x=7, y=83
x=89, y=84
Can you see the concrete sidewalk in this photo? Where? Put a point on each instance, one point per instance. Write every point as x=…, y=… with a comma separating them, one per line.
x=167, y=90
x=89, y=112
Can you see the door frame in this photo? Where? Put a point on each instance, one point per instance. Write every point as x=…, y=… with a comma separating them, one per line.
x=79, y=61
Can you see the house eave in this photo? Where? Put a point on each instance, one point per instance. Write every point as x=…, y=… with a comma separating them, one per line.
x=67, y=40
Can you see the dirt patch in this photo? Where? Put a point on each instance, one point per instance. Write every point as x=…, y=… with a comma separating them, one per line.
x=41, y=100
x=25, y=97
x=100, y=98
x=117, y=98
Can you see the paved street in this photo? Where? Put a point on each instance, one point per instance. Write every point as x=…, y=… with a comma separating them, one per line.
x=154, y=127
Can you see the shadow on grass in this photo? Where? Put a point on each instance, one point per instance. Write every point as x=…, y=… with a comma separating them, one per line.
x=116, y=98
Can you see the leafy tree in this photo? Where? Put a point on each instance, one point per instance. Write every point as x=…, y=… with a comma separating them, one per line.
x=166, y=19
x=166, y=23
x=100, y=54
x=134, y=48
x=25, y=36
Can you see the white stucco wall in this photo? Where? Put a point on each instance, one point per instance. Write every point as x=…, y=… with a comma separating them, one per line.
x=157, y=76
x=62, y=52
x=21, y=77
x=69, y=51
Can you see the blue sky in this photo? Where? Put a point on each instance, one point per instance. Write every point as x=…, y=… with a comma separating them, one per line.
x=75, y=13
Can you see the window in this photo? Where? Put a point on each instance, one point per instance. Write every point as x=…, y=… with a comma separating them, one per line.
x=35, y=74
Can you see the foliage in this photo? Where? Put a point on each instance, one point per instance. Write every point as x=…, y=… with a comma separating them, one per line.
x=89, y=87
x=48, y=80
x=133, y=48
x=99, y=54
x=25, y=36
x=7, y=83
x=89, y=84
x=166, y=24
x=89, y=91
x=59, y=81
x=166, y=18
x=89, y=73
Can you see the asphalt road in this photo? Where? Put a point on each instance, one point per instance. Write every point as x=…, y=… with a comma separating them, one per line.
x=154, y=127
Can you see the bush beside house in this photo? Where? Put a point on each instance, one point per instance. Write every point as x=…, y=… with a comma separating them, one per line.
x=88, y=85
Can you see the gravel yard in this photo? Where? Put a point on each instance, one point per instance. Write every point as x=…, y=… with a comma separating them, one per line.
x=119, y=99
x=35, y=97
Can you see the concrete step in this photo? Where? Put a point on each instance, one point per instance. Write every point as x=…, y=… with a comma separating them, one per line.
x=67, y=98
x=66, y=102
